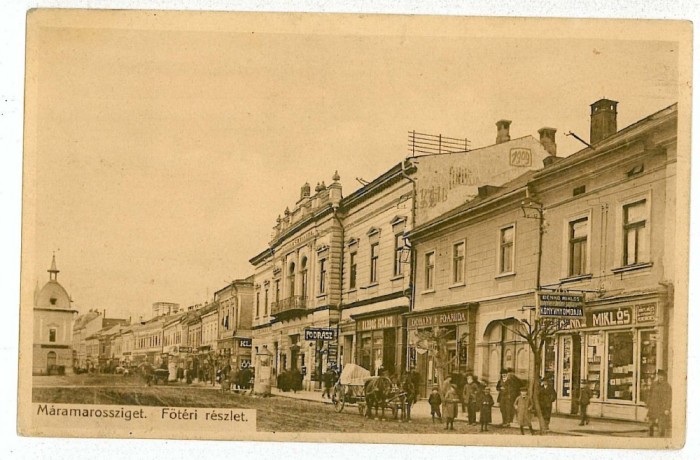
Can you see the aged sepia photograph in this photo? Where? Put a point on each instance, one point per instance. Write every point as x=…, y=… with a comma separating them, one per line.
x=355, y=228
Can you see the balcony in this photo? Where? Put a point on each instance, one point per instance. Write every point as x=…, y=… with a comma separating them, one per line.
x=294, y=305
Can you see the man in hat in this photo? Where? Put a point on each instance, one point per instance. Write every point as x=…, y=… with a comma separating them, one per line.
x=659, y=404
x=584, y=399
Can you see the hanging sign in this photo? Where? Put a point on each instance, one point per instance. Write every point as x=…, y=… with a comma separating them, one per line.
x=559, y=305
x=319, y=333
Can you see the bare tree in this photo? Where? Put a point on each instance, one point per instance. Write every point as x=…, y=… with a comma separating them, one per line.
x=536, y=333
x=435, y=341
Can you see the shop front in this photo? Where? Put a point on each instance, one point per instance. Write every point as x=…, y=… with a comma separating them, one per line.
x=615, y=350
x=380, y=339
x=441, y=340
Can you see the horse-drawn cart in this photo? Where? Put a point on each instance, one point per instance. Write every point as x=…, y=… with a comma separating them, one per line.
x=350, y=388
x=357, y=386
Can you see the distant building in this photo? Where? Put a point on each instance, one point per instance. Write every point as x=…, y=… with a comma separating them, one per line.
x=235, y=303
x=53, y=321
x=165, y=308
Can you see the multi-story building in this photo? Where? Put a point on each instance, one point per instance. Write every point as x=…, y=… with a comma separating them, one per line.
x=298, y=284
x=235, y=319
x=148, y=342
x=596, y=226
x=53, y=321
x=164, y=308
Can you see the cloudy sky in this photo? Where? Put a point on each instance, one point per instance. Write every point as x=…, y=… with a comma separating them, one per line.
x=166, y=146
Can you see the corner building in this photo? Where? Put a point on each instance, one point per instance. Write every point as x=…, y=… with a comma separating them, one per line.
x=298, y=283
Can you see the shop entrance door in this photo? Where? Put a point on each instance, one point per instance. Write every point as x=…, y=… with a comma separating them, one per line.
x=576, y=372
x=389, y=351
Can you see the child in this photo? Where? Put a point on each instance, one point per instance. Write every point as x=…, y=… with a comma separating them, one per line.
x=435, y=400
x=522, y=407
x=485, y=401
x=450, y=406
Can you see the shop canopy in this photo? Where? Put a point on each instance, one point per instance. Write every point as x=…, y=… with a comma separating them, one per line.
x=354, y=375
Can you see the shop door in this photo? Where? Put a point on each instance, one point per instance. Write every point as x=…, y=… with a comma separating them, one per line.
x=575, y=372
x=390, y=351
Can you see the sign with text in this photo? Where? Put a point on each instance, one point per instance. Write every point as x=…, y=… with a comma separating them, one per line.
x=439, y=319
x=613, y=317
x=646, y=313
x=320, y=333
x=245, y=343
x=559, y=305
x=378, y=322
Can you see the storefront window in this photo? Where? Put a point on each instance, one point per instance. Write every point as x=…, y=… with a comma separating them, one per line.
x=620, y=366
x=594, y=358
x=647, y=355
x=549, y=359
x=566, y=367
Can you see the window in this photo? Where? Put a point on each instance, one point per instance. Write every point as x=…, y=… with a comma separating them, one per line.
x=635, y=245
x=277, y=291
x=52, y=334
x=506, y=250
x=322, y=277
x=458, y=262
x=578, y=242
x=353, y=270
x=304, y=278
x=373, y=260
x=267, y=296
x=257, y=304
x=398, y=249
x=429, y=270
x=292, y=279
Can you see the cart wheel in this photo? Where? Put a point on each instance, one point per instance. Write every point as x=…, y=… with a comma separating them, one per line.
x=339, y=401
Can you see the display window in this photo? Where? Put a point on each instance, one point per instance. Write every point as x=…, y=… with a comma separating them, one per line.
x=620, y=384
x=647, y=360
x=594, y=361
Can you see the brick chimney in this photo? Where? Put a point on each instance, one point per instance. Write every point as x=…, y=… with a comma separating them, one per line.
x=603, y=120
x=548, y=140
x=503, y=131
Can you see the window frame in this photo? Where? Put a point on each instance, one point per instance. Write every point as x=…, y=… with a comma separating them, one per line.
x=322, y=275
x=429, y=271
x=399, y=244
x=374, y=263
x=627, y=228
x=463, y=263
x=352, y=273
x=571, y=245
x=500, y=271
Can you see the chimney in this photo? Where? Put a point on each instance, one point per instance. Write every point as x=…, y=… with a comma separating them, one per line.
x=603, y=120
x=548, y=140
x=503, y=131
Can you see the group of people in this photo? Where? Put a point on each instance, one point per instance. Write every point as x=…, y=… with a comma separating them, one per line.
x=474, y=397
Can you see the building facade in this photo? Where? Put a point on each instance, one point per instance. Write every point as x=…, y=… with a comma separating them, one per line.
x=298, y=285
x=235, y=320
x=53, y=331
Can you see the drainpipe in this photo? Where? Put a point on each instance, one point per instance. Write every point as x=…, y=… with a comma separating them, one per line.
x=342, y=268
x=412, y=263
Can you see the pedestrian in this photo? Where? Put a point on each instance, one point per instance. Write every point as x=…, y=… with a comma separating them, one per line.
x=471, y=388
x=584, y=400
x=435, y=401
x=659, y=405
x=523, y=406
x=547, y=396
x=327, y=383
x=485, y=401
x=449, y=406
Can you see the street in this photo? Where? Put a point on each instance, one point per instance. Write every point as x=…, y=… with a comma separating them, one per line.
x=288, y=412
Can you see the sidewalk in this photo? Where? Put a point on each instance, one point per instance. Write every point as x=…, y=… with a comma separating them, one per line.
x=561, y=424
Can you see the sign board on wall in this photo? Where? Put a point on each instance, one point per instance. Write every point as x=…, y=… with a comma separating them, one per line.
x=438, y=319
x=443, y=182
x=377, y=322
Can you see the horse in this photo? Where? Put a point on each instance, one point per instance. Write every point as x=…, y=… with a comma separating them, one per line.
x=377, y=391
x=408, y=397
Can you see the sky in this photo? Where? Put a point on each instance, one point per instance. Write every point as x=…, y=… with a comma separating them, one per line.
x=164, y=155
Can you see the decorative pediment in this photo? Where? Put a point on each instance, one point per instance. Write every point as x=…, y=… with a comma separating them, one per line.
x=322, y=248
x=398, y=220
x=353, y=242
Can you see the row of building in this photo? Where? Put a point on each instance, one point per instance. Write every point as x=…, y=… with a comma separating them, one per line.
x=471, y=242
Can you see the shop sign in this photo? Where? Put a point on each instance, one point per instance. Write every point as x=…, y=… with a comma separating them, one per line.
x=378, y=322
x=439, y=319
x=319, y=333
x=616, y=317
x=185, y=349
x=245, y=343
x=646, y=313
x=559, y=305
